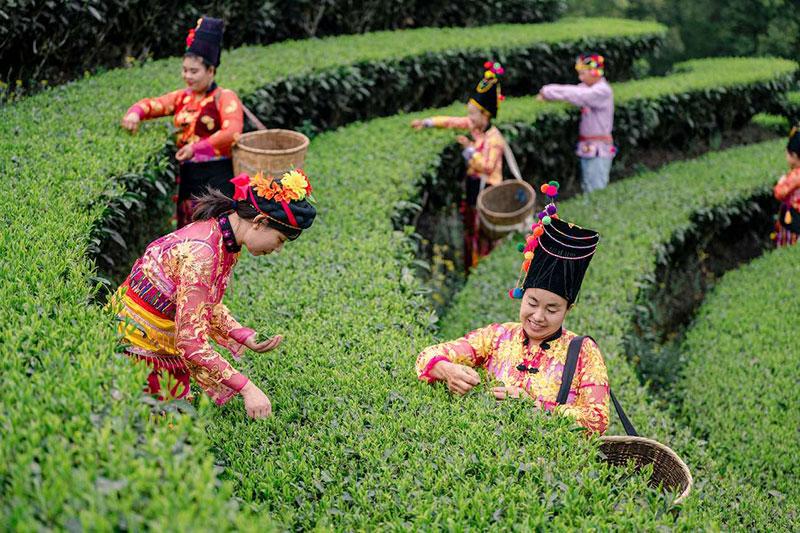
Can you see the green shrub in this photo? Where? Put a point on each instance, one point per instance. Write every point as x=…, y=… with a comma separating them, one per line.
x=64, y=38
x=637, y=219
x=740, y=374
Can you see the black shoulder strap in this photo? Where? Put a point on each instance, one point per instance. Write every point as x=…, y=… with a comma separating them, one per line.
x=571, y=363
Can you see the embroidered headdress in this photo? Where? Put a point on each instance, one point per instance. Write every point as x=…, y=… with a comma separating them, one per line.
x=487, y=94
x=284, y=201
x=592, y=62
x=557, y=253
x=206, y=39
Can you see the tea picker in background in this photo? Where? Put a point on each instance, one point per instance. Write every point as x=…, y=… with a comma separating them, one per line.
x=483, y=154
x=529, y=356
x=170, y=307
x=209, y=119
x=596, y=148
x=787, y=191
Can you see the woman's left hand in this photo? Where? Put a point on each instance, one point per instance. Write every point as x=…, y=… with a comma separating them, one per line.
x=463, y=141
x=263, y=346
x=185, y=153
x=503, y=393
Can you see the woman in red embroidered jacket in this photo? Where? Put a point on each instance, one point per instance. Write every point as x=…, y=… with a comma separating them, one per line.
x=171, y=304
x=787, y=192
x=209, y=119
x=528, y=357
x=483, y=154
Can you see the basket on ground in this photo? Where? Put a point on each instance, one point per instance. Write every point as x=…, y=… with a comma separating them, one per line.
x=668, y=468
x=272, y=152
x=506, y=208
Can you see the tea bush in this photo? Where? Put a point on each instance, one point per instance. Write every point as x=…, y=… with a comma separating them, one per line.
x=740, y=370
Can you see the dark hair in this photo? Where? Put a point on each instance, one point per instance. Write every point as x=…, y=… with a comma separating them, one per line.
x=206, y=63
x=213, y=204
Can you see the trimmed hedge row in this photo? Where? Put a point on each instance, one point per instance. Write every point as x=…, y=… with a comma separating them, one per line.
x=637, y=218
x=741, y=372
x=78, y=446
x=62, y=38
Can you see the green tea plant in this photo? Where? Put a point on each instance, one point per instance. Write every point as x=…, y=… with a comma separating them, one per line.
x=740, y=371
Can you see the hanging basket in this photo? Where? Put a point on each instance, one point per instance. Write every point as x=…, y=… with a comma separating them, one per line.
x=506, y=208
x=273, y=152
x=668, y=468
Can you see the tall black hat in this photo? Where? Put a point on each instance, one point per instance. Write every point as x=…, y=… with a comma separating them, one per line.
x=487, y=94
x=206, y=39
x=557, y=253
x=794, y=140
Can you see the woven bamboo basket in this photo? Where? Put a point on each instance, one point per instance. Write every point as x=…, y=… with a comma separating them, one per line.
x=506, y=208
x=668, y=468
x=272, y=152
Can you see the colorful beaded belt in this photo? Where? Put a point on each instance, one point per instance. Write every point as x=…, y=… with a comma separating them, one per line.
x=142, y=287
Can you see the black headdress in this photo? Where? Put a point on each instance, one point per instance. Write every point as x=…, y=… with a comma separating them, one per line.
x=487, y=94
x=283, y=201
x=557, y=253
x=206, y=39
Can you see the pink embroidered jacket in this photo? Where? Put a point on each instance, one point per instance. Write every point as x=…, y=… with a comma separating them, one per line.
x=191, y=267
x=504, y=351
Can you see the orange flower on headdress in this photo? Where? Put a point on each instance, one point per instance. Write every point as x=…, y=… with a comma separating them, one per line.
x=293, y=186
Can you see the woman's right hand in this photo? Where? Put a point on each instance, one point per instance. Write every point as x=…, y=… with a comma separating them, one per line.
x=256, y=402
x=130, y=122
x=460, y=379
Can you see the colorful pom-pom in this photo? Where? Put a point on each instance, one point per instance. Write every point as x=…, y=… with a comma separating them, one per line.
x=538, y=231
x=534, y=244
x=526, y=265
x=543, y=188
x=551, y=210
x=520, y=247
x=517, y=293
x=488, y=64
x=551, y=191
x=529, y=238
x=541, y=215
x=528, y=255
x=546, y=221
x=555, y=184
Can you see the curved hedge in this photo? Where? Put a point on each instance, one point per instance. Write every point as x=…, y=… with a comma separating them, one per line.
x=740, y=376
x=636, y=219
x=63, y=38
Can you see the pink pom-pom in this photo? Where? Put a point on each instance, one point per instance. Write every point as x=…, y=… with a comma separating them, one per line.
x=551, y=191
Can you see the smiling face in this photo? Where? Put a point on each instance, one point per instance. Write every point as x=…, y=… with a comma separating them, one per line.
x=477, y=117
x=542, y=313
x=261, y=239
x=196, y=75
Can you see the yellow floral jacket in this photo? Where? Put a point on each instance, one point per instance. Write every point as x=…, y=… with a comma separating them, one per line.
x=487, y=147
x=507, y=355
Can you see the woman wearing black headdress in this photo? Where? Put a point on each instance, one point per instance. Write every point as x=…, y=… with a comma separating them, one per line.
x=529, y=356
x=170, y=307
x=209, y=119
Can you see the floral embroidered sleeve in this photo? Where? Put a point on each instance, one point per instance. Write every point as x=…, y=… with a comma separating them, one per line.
x=442, y=122
x=227, y=332
x=162, y=106
x=193, y=317
x=786, y=185
x=472, y=350
x=231, y=115
x=591, y=405
x=480, y=164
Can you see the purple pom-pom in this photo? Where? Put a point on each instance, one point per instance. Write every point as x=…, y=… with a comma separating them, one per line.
x=551, y=210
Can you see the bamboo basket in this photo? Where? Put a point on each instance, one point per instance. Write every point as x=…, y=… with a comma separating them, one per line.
x=273, y=152
x=668, y=468
x=506, y=208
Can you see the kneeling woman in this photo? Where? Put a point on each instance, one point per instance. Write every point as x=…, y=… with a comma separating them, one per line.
x=171, y=304
x=529, y=357
x=208, y=117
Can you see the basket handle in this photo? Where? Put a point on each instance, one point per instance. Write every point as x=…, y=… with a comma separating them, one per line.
x=511, y=161
x=569, y=372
